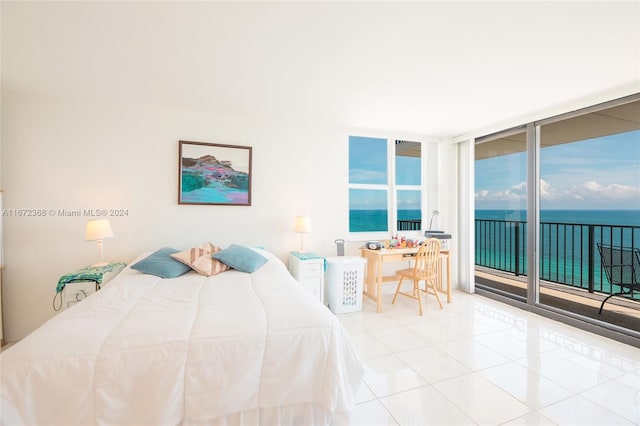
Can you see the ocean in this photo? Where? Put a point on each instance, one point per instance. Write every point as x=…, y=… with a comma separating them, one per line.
x=376, y=220
x=367, y=220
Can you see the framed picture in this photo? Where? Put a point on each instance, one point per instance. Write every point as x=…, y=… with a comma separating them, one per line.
x=215, y=174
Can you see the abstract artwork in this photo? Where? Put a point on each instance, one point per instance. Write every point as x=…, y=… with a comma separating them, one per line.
x=214, y=174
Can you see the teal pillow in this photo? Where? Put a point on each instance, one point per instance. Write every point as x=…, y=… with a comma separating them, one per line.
x=241, y=258
x=161, y=264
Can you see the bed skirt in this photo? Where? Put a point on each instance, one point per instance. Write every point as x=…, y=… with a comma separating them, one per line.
x=308, y=414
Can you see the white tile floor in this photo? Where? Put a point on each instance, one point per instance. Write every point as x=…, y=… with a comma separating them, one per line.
x=482, y=362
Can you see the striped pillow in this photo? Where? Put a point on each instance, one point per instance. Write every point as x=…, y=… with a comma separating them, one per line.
x=200, y=260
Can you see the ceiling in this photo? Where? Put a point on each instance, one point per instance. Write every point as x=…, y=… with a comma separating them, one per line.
x=602, y=122
x=428, y=68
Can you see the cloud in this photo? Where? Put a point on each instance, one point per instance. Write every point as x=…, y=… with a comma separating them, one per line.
x=589, y=191
x=546, y=191
x=516, y=192
x=592, y=190
x=367, y=176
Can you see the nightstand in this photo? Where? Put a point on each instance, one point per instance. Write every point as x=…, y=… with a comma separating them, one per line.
x=78, y=285
x=308, y=269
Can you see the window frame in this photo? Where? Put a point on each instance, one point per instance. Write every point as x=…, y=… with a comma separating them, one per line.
x=392, y=188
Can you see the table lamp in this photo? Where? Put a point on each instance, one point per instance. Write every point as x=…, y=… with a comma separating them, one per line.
x=302, y=226
x=98, y=230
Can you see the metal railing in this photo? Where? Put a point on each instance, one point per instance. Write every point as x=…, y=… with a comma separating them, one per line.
x=409, y=224
x=568, y=251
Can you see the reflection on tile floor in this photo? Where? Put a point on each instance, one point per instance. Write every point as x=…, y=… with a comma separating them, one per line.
x=481, y=362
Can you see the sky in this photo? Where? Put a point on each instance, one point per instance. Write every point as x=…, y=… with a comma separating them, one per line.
x=595, y=174
x=368, y=165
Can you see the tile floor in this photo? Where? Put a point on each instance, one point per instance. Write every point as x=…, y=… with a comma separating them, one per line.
x=482, y=362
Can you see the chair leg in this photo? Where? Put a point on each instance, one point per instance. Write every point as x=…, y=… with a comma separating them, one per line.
x=397, y=291
x=429, y=284
x=603, y=302
x=609, y=297
x=416, y=289
x=435, y=291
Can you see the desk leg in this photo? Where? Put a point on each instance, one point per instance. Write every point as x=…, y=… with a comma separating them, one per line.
x=440, y=281
x=449, y=278
x=371, y=281
x=379, y=286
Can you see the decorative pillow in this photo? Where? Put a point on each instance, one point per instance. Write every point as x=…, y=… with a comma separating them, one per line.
x=200, y=260
x=161, y=264
x=241, y=258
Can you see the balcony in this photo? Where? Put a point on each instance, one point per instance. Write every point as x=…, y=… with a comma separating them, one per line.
x=571, y=275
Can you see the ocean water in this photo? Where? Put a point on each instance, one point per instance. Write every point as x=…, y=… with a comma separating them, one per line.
x=360, y=220
x=376, y=220
x=367, y=220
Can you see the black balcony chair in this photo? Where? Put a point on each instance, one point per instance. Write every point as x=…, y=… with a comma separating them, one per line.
x=622, y=266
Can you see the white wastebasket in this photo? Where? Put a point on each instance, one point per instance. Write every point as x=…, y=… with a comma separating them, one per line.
x=344, y=280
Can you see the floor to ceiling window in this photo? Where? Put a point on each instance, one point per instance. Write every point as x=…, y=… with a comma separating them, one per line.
x=500, y=215
x=585, y=222
x=590, y=213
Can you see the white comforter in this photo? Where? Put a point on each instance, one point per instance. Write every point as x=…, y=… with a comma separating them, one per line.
x=189, y=350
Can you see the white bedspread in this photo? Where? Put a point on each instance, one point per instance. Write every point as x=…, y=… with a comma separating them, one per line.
x=189, y=350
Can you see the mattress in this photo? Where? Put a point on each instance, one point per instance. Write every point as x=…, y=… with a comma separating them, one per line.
x=235, y=348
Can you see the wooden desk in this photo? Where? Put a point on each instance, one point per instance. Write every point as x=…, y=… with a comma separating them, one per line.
x=376, y=260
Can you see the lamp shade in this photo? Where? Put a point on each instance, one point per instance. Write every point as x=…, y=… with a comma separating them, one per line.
x=302, y=224
x=98, y=229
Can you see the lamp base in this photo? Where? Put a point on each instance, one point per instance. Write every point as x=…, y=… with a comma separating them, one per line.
x=95, y=265
x=302, y=250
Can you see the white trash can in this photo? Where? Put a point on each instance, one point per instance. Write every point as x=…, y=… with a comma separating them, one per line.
x=344, y=280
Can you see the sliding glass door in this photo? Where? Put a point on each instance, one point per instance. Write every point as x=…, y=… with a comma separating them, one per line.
x=566, y=188
x=589, y=212
x=500, y=213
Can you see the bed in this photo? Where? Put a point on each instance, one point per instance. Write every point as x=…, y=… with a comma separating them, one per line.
x=235, y=348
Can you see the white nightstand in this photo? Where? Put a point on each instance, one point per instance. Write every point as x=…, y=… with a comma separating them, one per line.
x=78, y=285
x=308, y=269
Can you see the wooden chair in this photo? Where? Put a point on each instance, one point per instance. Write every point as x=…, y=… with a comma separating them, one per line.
x=425, y=269
x=622, y=266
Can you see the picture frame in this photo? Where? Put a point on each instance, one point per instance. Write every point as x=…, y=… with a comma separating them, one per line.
x=214, y=174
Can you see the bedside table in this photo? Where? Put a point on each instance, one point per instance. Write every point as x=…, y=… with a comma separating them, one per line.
x=78, y=285
x=308, y=269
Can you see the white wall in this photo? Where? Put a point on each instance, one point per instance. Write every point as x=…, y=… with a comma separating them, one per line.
x=64, y=153
x=447, y=195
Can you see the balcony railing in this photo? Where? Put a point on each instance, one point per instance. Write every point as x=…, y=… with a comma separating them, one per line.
x=568, y=251
x=409, y=224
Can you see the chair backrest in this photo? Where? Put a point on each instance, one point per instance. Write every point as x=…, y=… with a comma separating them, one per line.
x=621, y=264
x=427, y=258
